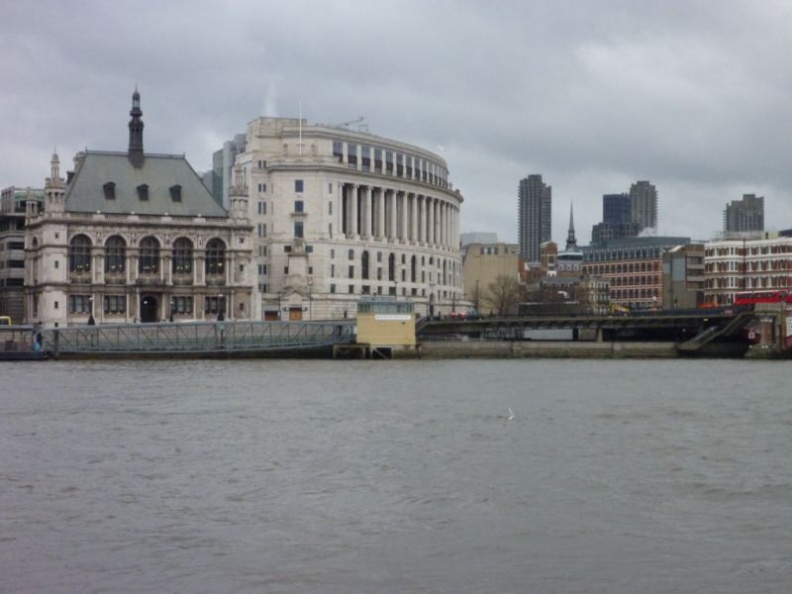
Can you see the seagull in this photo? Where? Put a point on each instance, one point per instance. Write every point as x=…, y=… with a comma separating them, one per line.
x=511, y=415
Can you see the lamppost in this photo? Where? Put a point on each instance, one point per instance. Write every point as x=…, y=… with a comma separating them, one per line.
x=310, y=299
x=91, y=320
x=220, y=308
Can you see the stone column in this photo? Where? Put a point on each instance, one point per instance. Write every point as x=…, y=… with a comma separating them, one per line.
x=392, y=222
x=403, y=236
x=414, y=219
x=353, y=229
x=430, y=225
x=421, y=201
x=381, y=233
x=365, y=212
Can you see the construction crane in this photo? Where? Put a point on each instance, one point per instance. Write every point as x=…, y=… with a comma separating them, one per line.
x=359, y=120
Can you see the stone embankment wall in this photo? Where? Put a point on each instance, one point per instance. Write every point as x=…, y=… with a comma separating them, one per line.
x=473, y=349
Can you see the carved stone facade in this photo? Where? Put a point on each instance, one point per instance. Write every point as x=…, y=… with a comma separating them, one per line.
x=136, y=237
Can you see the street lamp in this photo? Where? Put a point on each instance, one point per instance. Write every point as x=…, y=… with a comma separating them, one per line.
x=310, y=299
x=220, y=308
x=91, y=321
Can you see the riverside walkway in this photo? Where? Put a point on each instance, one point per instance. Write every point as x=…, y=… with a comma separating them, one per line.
x=197, y=339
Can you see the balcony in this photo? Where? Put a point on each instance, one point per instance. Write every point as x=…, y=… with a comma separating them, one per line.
x=115, y=278
x=80, y=278
x=182, y=280
x=148, y=280
x=215, y=281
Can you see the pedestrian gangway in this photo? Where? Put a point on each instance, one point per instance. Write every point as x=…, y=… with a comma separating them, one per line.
x=210, y=339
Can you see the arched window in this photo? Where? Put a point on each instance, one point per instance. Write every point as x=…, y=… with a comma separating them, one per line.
x=148, y=262
x=182, y=256
x=364, y=265
x=215, y=257
x=115, y=255
x=80, y=254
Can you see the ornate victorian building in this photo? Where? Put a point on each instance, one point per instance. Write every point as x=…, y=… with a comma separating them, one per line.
x=136, y=237
x=340, y=214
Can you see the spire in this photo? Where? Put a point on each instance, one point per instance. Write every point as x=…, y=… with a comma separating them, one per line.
x=54, y=180
x=571, y=242
x=136, y=132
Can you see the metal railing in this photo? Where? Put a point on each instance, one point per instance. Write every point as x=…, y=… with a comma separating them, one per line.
x=196, y=337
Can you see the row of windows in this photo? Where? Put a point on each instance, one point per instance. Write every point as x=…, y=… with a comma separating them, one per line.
x=117, y=304
x=765, y=282
x=752, y=251
x=378, y=160
x=604, y=255
x=622, y=267
x=631, y=294
x=149, y=255
x=109, y=190
x=748, y=266
x=12, y=245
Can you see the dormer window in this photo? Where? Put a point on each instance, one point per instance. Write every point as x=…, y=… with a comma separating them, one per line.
x=176, y=193
x=142, y=191
x=109, y=190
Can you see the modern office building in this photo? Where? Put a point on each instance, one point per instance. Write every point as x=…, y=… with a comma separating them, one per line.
x=626, y=215
x=744, y=216
x=12, y=249
x=534, y=216
x=683, y=277
x=643, y=205
x=616, y=209
x=340, y=214
x=617, y=220
x=220, y=178
x=136, y=237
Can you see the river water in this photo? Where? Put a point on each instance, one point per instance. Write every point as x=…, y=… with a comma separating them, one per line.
x=398, y=476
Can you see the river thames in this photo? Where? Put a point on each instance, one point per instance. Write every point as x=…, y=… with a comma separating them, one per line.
x=501, y=476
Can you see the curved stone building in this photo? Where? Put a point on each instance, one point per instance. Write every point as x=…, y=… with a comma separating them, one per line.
x=340, y=213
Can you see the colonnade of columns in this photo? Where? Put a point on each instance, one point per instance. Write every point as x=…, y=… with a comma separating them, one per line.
x=385, y=214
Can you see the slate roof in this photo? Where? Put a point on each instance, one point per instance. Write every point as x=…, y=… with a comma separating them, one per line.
x=86, y=191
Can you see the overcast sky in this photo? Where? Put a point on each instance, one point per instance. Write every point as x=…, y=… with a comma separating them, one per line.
x=592, y=94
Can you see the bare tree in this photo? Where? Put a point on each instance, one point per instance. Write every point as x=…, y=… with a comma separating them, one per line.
x=503, y=294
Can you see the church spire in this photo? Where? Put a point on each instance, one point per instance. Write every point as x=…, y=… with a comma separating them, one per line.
x=571, y=242
x=136, y=132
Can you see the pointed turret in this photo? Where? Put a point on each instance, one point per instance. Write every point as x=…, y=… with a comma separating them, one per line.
x=136, y=133
x=238, y=195
x=54, y=188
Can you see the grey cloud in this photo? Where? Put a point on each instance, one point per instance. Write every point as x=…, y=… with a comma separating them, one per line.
x=594, y=95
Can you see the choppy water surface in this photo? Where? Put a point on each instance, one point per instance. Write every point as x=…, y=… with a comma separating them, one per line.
x=284, y=476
